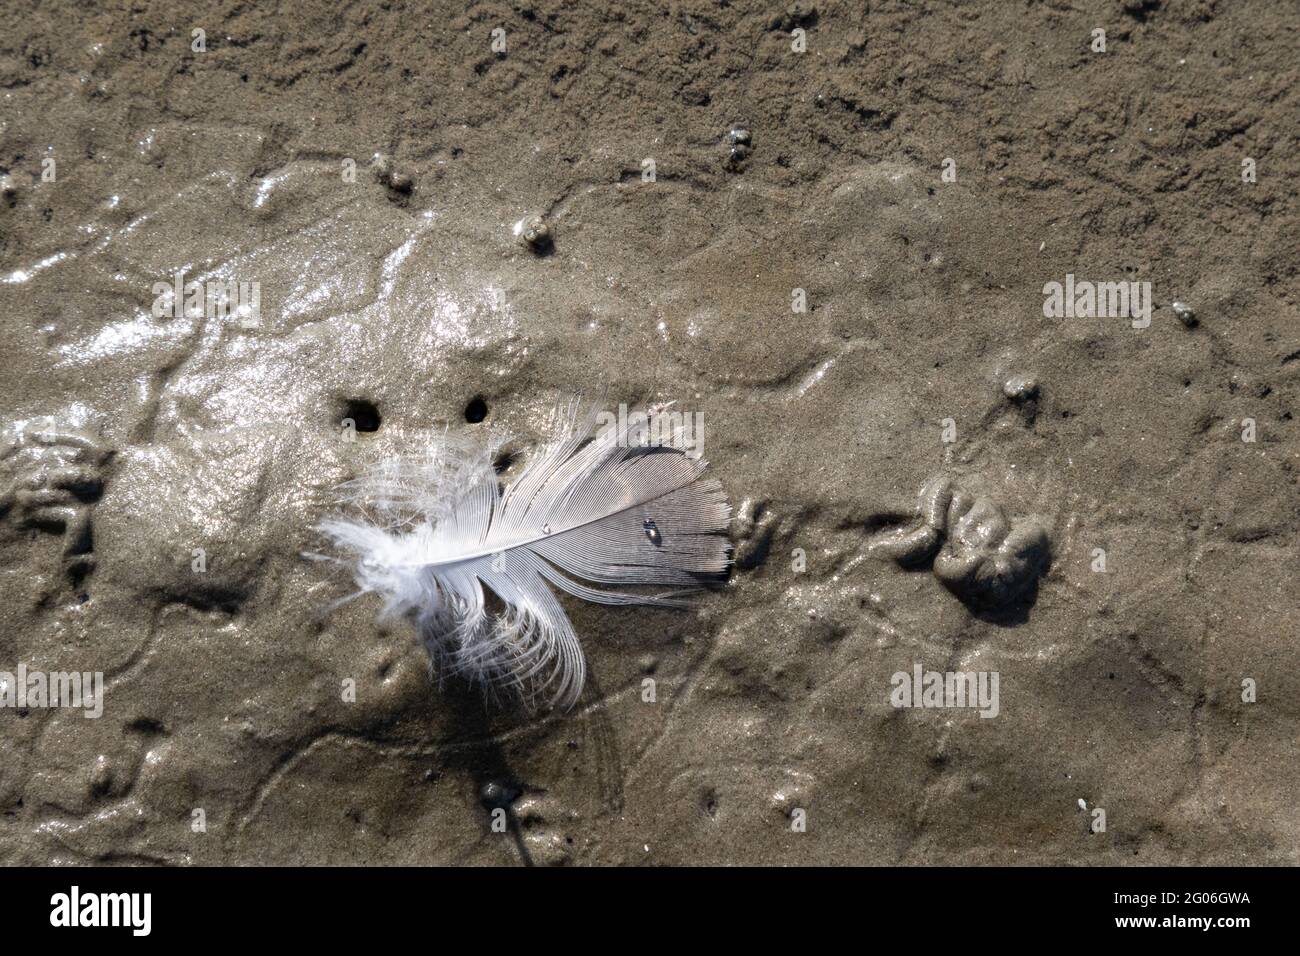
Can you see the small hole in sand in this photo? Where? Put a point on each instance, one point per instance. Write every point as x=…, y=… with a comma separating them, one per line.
x=476, y=410
x=364, y=414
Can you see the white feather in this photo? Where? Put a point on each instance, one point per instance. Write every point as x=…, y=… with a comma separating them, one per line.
x=435, y=531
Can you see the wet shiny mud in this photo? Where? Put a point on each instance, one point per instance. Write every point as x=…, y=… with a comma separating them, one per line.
x=454, y=251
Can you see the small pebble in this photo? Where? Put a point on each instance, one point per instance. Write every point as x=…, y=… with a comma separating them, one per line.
x=101, y=778
x=497, y=793
x=1020, y=388
x=387, y=175
x=535, y=233
x=1185, y=314
x=740, y=140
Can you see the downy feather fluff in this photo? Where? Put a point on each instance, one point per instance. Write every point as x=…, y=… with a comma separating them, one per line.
x=432, y=534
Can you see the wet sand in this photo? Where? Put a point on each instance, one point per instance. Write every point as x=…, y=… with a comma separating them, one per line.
x=366, y=168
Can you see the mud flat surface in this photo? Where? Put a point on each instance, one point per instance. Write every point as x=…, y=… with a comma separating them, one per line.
x=1122, y=554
